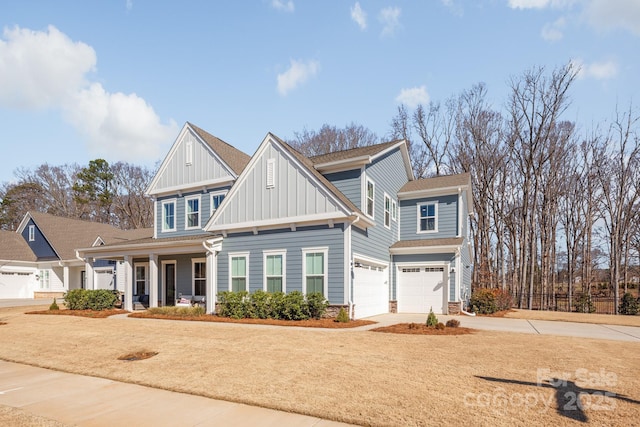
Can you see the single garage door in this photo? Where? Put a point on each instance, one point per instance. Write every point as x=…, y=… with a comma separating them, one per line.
x=15, y=285
x=421, y=289
x=370, y=290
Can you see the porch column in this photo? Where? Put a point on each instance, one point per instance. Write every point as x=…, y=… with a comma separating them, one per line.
x=212, y=246
x=153, y=280
x=88, y=274
x=128, y=283
x=65, y=277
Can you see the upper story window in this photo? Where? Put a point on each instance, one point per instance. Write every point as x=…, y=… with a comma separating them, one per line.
x=32, y=233
x=169, y=215
x=370, y=198
x=192, y=209
x=427, y=218
x=216, y=199
x=387, y=211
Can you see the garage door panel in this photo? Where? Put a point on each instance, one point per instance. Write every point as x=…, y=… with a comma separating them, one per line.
x=421, y=290
x=370, y=291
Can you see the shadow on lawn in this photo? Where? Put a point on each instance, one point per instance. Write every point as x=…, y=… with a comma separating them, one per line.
x=568, y=396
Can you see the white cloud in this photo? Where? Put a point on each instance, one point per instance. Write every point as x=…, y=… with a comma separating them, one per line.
x=608, y=15
x=46, y=69
x=298, y=73
x=540, y=4
x=390, y=19
x=553, y=31
x=359, y=16
x=285, y=6
x=413, y=96
x=129, y=5
x=603, y=70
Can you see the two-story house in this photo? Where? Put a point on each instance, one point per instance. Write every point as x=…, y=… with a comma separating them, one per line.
x=354, y=225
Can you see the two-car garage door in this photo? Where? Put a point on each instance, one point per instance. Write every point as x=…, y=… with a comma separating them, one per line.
x=420, y=289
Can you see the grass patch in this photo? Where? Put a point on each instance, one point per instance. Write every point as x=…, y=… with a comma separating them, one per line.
x=95, y=314
x=181, y=313
x=422, y=329
x=138, y=355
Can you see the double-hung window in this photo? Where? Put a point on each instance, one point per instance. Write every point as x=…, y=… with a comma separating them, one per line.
x=199, y=277
x=169, y=215
x=370, y=198
x=192, y=209
x=238, y=277
x=44, y=279
x=216, y=199
x=141, y=284
x=315, y=270
x=274, y=268
x=427, y=217
x=387, y=211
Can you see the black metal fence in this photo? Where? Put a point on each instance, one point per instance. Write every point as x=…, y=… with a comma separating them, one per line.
x=579, y=303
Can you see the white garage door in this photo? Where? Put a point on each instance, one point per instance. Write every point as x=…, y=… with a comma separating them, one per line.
x=16, y=285
x=421, y=289
x=370, y=290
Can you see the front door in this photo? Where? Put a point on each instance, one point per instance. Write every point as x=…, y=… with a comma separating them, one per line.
x=170, y=284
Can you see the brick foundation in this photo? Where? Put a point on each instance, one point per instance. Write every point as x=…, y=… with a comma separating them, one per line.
x=333, y=310
x=393, y=306
x=455, y=307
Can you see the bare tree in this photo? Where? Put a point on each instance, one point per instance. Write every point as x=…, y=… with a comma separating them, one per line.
x=132, y=208
x=330, y=138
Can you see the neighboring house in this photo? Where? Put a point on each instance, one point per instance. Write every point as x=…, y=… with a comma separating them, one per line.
x=354, y=225
x=38, y=260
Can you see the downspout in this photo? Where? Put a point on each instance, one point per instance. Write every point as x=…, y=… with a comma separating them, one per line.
x=351, y=307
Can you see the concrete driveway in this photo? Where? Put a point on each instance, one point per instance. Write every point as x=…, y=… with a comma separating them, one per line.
x=541, y=327
x=24, y=302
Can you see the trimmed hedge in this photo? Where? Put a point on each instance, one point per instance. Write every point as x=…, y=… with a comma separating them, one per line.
x=489, y=301
x=277, y=305
x=90, y=299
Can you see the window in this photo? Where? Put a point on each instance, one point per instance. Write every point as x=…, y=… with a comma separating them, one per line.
x=32, y=233
x=394, y=210
x=44, y=279
x=427, y=218
x=216, y=199
x=274, y=268
x=238, y=276
x=387, y=211
x=199, y=277
x=169, y=215
x=315, y=271
x=271, y=173
x=192, y=207
x=141, y=279
x=370, y=198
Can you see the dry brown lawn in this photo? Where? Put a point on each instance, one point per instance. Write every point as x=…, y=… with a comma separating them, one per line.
x=356, y=376
x=608, y=319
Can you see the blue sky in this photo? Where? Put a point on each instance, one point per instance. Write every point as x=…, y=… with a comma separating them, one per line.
x=81, y=80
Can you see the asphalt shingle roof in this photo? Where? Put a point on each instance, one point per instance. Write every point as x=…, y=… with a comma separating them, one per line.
x=369, y=150
x=443, y=241
x=236, y=159
x=13, y=247
x=436, y=182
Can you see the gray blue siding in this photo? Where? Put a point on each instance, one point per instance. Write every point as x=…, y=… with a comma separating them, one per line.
x=205, y=208
x=447, y=218
x=349, y=183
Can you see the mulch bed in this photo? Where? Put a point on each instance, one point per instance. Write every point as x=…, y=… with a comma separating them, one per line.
x=81, y=313
x=311, y=323
x=422, y=329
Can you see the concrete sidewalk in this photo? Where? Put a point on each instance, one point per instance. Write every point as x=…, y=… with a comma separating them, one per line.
x=503, y=324
x=78, y=400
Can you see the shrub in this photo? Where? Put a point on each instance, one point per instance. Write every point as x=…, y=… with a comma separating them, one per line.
x=483, y=301
x=629, y=305
x=54, y=305
x=90, y=299
x=316, y=305
x=432, y=320
x=453, y=323
x=277, y=305
x=342, y=317
x=196, y=311
x=503, y=299
x=259, y=305
x=233, y=304
x=440, y=326
x=295, y=307
x=584, y=304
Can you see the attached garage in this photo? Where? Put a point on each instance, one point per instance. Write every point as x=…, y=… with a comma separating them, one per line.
x=370, y=289
x=420, y=289
x=16, y=282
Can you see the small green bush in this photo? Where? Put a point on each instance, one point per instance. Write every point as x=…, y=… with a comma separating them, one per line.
x=295, y=306
x=584, y=304
x=316, y=305
x=629, y=305
x=342, y=317
x=259, y=307
x=277, y=305
x=432, y=320
x=233, y=304
x=54, y=305
x=90, y=299
x=452, y=323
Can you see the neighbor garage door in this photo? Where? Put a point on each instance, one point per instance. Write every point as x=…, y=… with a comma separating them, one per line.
x=420, y=289
x=370, y=290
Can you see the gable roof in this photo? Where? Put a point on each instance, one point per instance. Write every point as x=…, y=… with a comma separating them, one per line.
x=65, y=235
x=236, y=159
x=438, y=182
x=13, y=247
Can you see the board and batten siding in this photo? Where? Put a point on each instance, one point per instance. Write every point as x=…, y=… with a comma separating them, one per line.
x=204, y=167
x=447, y=218
x=349, y=183
x=292, y=242
x=388, y=175
x=293, y=193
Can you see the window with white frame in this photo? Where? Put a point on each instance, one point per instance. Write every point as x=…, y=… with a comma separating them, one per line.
x=199, y=276
x=271, y=173
x=238, y=272
x=45, y=280
x=169, y=215
x=141, y=271
x=192, y=209
x=216, y=199
x=274, y=269
x=370, y=198
x=394, y=210
x=427, y=217
x=315, y=270
x=32, y=233
x=387, y=211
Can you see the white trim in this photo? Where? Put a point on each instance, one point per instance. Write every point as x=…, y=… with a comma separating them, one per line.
x=187, y=199
x=385, y=211
x=347, y=264
x=32, y=233
x=135, y=277
x=271, y=252
x=162, y=217
x=459, y=230
x=194, y=186
x=271, y=173
x=418, y=217
x=193, y=275
x=365, y=198
x=442, y=191
x=394, y=210
x=363, y=259
x=246, y=272
x=325, y=285
x=442, y=249
x=428, y=264
x=188, y=155
x=285, y=222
